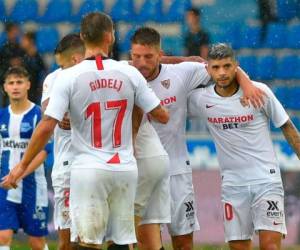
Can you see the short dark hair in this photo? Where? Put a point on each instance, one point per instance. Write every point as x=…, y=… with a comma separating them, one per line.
x=146, y=36
x=10, y=25
x=69, y=42
x=195, y=11
x=18, y=71
x=220, y=51
x=94, y=25
x=31, y=35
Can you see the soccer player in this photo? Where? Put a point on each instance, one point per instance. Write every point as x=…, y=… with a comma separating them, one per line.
x=172, y=84
x=99, y=94
x=252, y=192
x=69, y=51
x=25, y=207
x=152, y=202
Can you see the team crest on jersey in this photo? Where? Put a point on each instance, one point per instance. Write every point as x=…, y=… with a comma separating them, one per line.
x=25, y=127
x=3, y=128
x=166, y=83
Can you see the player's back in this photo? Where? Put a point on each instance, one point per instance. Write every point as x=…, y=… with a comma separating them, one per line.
x=101, y=103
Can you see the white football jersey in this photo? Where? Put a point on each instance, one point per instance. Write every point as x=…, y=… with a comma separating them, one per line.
x=241, y=134
x=147, y=143
x=172, y=86
x=100, y=103
x=61, y=137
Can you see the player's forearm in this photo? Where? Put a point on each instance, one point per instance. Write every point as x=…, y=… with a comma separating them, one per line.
x=243, y=79
x=180, y=59
x=35, y=163
x=292, y=136
x=39, y=139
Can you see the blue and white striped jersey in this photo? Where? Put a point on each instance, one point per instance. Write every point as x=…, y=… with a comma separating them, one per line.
x=16, y=131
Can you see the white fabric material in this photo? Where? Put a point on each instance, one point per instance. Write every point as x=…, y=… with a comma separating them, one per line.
x=100, y=105
x=172, y=86
x=248, y=209
x=147, y=143
x=101, y=206
x=241, y=134
x=152, y=200
x=183, y=205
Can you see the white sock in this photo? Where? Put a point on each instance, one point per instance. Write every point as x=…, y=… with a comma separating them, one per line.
x=4, y=248
x=45, y=247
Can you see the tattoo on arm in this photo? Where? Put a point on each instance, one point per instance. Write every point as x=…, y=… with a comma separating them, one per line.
x=292, y=136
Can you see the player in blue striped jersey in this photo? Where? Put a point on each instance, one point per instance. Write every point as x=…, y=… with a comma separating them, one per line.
x=26, y=206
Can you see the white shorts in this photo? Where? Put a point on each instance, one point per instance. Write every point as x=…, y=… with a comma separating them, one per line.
x=102, y=206
x=248, y=209
x=183, y=206
x=61, y=187
x=152, y=201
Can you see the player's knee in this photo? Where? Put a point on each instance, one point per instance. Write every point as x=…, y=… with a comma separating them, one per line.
x=64, y=245
x=118, y=247
x=5, y=240
x=269, y=246
x=183, y=242
x=37, y=243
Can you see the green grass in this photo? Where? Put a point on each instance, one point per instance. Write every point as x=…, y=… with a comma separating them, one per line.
x=53, y=245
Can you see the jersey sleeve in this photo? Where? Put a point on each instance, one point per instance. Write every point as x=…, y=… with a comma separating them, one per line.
x=145, y=98
x=194, y=75
x=194, y=99
x=61, y=92
x=273, y=108
x=47, y=87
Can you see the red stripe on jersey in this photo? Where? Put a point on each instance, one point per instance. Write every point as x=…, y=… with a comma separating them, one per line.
x=99, y=63
x=115, y=159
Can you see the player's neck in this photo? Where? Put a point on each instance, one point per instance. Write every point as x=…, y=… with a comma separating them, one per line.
x=19, y=106
x=96, y=51
x=227, y=91
x=154, y=74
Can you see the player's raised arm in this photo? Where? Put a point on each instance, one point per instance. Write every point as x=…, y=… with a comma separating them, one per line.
x=180, y=59
x=160, y=114
x=292, y=136
x=251, y=93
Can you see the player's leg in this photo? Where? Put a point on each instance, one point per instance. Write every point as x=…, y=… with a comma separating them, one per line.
x=269, y=240
x=9, y=222
x=268, y=213
x=183, y=211
x=37, y=243
x=240, y=245
x=89, y=208
x=120, y=229
x=34, y=220
x=5, y=238
x=152, y=201
x=238, y=223
x=62, y=222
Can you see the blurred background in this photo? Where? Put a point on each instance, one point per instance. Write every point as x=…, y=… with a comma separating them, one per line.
x=264, y=33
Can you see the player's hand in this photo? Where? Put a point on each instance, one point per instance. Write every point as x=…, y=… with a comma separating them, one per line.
x=7, y=182
x=253, y=95
x=11, y=180
x=65, y=123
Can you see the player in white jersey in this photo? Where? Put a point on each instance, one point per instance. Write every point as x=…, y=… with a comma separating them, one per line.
x=252, y=192
x=172, y=84
x=152, y=201
x=100, y=95
x=69, y=51
x=25, y=207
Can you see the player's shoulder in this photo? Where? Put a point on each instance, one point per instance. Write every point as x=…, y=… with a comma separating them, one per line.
x=184, y=66
x=53, y=74
x=262, y=86
x=35, y=109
